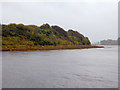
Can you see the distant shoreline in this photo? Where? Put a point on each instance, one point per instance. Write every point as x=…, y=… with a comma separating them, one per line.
x=48, y=48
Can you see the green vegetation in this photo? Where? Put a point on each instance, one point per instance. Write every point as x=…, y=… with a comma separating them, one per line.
x=19, y=35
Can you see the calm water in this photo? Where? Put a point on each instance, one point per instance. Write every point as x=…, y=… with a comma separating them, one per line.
x=79, y=68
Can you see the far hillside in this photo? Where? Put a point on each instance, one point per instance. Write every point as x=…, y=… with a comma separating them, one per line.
x=108, y=42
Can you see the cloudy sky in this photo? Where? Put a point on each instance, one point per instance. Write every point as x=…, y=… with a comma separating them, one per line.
x=96, y=19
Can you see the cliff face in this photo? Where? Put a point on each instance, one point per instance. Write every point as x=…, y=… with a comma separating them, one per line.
x=19, y=35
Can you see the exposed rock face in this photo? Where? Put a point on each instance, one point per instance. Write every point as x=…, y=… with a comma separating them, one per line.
x=75, y=33
x=57, y=28
x=79, y=37
x=45, y=26
x=60, y=30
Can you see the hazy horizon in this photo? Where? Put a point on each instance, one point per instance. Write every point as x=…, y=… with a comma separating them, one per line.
x=95, y=20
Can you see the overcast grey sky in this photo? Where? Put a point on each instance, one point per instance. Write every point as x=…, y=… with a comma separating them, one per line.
x=94, y=19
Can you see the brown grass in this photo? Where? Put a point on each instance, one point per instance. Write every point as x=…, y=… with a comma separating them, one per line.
x=48, y=48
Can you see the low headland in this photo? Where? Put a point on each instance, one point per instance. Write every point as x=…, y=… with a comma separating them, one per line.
x=48, y=48
x=20, y=37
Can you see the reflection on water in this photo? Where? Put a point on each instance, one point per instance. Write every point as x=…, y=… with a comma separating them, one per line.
x=79, y=68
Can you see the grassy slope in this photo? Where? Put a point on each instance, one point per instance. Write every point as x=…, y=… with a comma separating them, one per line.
x=19, y=35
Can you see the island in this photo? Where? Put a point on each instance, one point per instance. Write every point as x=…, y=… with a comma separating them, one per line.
x=20, y=37
x=108, y=42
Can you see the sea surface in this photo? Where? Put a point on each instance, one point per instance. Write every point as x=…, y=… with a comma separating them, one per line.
x=77, y=68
